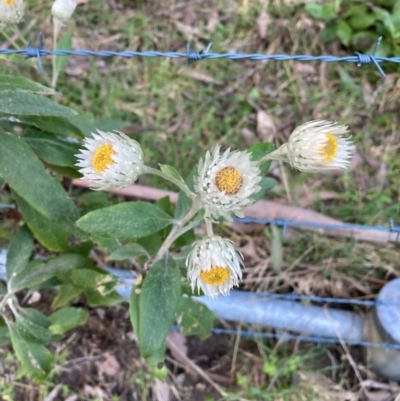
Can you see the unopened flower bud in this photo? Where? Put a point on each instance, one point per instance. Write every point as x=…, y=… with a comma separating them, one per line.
x=63, y=9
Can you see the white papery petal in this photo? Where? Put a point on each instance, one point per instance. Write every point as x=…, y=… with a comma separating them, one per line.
x=305, y=145
x=63, y=9
x=127, y=162
x=218, y=202
x=11, y=12
x=211, y=252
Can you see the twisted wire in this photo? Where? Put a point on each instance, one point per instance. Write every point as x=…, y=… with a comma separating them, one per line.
x=358, y=58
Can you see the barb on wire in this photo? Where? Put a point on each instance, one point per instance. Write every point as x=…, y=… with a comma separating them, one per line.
x=35, y=52
x=358, y=58
x=371, y=58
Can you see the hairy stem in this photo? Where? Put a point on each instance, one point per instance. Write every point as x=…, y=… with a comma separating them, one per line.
x=180, y=184
x=177, y=230
x=278, y=154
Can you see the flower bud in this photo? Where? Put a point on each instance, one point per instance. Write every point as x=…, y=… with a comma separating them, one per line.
x=63, y=9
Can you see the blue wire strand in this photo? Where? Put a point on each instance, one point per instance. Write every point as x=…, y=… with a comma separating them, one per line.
x=358, y=58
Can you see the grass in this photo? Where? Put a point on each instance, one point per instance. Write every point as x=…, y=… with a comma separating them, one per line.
x=177, y=112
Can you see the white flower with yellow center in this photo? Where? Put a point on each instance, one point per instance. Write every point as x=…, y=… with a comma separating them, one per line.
x=111, y=160
x=226, y=182
x=214, y=266
x=316, y=146
x=11, y=11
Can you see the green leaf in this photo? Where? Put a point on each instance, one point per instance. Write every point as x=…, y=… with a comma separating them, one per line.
x=134, y=307
x=151, y=243
x=33, y=326
x=194, y=318
x=66, y=292
x=19, y=253
x=94, y=298
x=19, y=83
x=4, y=333
x=51, y=235
x=329, y=32
x=32, y=276
x=343, y=31
x=126, y=220
x=388, y=22
x=128, y=251
x=159, y=297
x=266, y=185
x=258, y=151
x=166, y=169
x=64, y=43
x=104, y=283
x=361, y=22
x=321, y=11
x=67, y=319
x=36, y=360
x=26, y=175
x=28, y=104
x=51, y=149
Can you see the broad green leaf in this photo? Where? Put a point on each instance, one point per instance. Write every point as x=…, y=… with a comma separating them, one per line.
x=33, y=326
x=77, y=126
x=66, y=292
x=4, y=333
x=165, y=205
x=344, y=32
x=31, y=276
x=67, y=319
x=159, y=297
x=321, y=11
x=258, y=151
x=51, y=149
x=3, y=289
x=26, y=175
x=128, y=251
x=28, y=104
x=194, y=318
x=165, y=168
x=151, y=243
x=266, y=185
x=91, y=279
x=126, y=220
x=94, y=298
x=18, y=82
x=111, y=244
x=36, y=360
x=64, y=43
x=361, y=22
x=19, y=253
x=329, y=32
x=51, y=235
x=388, y=22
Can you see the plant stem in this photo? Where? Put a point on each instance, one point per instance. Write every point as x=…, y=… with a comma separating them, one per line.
x=5, y=300
x=278, y=154
x=53, y=59
x=178, y=229
x=180, y=184
x=10, y=39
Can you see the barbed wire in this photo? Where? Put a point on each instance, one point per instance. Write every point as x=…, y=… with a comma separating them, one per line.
x=391, y=229
x=297, y=337
x=358, y=58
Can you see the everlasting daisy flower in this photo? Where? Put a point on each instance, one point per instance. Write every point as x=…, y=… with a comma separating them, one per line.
x=111, y=160
x=214, y=266
x=11, y=11
x=226, y=182
x=316, y=146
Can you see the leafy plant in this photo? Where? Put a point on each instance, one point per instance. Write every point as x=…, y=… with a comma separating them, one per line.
x=359, y=24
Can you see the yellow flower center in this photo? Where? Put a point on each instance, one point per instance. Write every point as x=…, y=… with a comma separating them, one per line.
x=103, y=157
x=330, y=147
x=10, y=3
x=229, y=180
x=216, y=276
